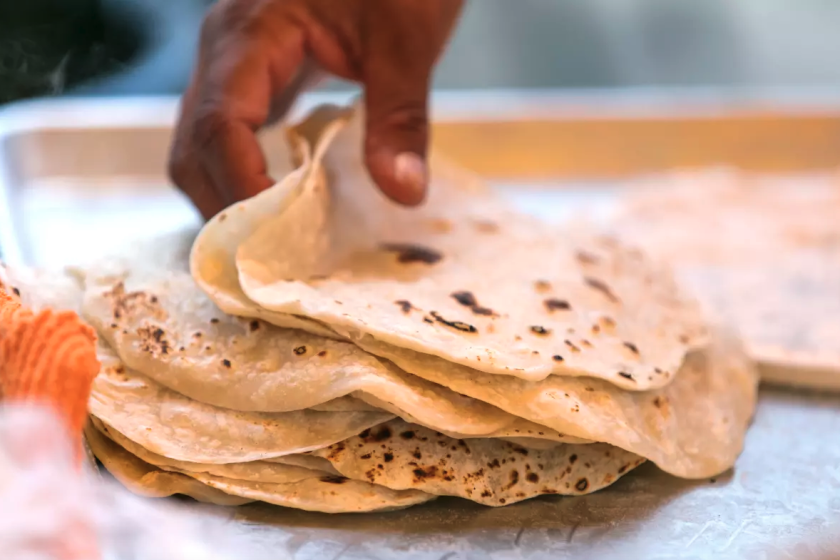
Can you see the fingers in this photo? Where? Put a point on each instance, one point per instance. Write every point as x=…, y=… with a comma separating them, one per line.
x=397, y=71
x=244, y=58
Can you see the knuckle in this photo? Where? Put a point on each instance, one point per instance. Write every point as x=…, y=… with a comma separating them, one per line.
x=406, y=117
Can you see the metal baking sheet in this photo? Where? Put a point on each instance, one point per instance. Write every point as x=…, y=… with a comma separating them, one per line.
x=78, y=177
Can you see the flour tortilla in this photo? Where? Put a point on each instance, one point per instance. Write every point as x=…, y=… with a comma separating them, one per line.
x=501, y=274
x=174, y=426
x=248, y=365
x=761, y=252
x=306, y=461
x=318, y=492
x=403, y=456
x=323, y=494
x=692, y=428
x=145, y=480
x=253, y=471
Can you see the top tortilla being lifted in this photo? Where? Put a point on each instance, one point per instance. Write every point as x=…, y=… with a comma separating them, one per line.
x=461, y=278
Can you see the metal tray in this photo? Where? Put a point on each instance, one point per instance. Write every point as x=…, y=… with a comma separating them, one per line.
x=79, y=176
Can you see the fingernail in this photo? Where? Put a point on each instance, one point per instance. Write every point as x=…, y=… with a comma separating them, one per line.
x=410, y=171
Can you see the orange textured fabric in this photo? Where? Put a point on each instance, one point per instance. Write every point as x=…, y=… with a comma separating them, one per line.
x=9, y=307
x=49, y=358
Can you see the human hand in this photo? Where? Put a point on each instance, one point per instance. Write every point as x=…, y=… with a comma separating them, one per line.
x=255, y=56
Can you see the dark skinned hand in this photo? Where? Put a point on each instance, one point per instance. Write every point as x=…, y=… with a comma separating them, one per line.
x=255, y=56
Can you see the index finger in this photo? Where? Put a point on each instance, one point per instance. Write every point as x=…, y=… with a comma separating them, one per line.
x=238, y=76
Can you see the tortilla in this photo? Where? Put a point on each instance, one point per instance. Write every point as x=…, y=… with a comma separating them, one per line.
x=461, y=278
x=145, y=480
x=692, y=428
x=404, y=456
x=762, y=253
x=327, y=494
x=161, y=325
x=319, y=492
x=174, y=426
x=253, y=471
x=306, y=461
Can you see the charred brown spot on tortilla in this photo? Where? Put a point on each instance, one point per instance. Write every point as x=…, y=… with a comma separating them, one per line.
x=16, y=291
x=486, y=311
x=408, y=253
x=381, y=435
x=581, y=485
x=513, y=480
x=683, y=339
x=542, y=286
x=417, y=454
x=486, y=494
x=660, y=402
x=428, y=320
x=486, y=226
x=197, y=335
x=366, y=456
x=571, y=346
x=602, y=287
x=457, y=325
x=388, y=457
x=422, y=473
x=585, y=343
x=596, y=328
x=585, y=257
x=632, y=347
x=465, y=298
x=554, y=304
x=626, y=375
x=254, y=325
x=322, y=353
x=408, y=434
x=125, y=303
x=533, y=477
x=539, y=330
x=405, y=305
x=623, y=468
x=572, y=458
x=494, y=464
x=153, y=340
x=333, y=479
x=607, y=323
x=214, y=321
x=226, y=363
x=468, y=299
x=300, y=350
x=557, y=358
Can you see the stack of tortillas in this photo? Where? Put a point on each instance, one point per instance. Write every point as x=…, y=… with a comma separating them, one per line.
x=320, y=347
x=763, y=253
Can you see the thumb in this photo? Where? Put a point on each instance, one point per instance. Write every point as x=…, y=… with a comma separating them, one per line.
x=397, y=128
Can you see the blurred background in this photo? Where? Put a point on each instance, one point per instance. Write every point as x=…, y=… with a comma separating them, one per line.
x=116, y=47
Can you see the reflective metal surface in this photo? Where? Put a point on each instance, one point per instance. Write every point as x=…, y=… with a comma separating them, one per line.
x=78, y=183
